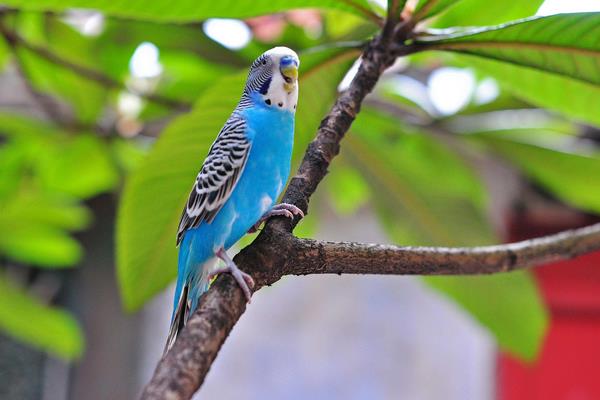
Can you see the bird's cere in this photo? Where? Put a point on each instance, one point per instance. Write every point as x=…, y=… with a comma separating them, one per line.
x=288, y=66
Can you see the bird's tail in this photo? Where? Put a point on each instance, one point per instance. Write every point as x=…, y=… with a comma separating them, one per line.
x=187, y=293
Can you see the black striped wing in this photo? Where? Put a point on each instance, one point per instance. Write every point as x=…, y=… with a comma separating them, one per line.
x=219, y=175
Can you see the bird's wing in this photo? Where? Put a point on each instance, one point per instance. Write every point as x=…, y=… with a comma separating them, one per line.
x=219, y=175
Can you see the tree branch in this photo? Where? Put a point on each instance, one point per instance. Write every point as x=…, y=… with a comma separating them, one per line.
x=46, y=103
x=368, y=13
x=15, y=40
x=318, y=257
x=183, y=369
x=276, y=252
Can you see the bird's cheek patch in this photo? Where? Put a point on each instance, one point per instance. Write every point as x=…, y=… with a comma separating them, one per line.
x=264, y=89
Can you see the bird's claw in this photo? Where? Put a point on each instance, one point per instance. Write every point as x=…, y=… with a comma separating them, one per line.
x=281, y=209
x=244, y=280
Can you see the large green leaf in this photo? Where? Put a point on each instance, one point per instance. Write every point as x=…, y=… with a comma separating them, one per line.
x=509, y=305
x=347, y=188
x=37, y=324
x=40, y=245
x=189, y=10
x=156, y=192
x=425, y=195
x=44, y=168
x=572, y=177
x=38, y=208
x=485, y=12
x=77, y=165
x=403, y=169
x=570, y=97
x=564, y=44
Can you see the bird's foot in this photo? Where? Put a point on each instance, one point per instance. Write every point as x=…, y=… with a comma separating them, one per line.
x=281, y=209
x=244, y=280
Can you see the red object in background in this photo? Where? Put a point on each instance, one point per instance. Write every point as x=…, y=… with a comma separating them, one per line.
x=568, y=367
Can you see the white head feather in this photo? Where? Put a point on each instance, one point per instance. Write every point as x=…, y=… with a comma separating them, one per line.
x=282, y=94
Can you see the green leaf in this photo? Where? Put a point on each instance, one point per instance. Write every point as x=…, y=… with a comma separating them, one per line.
x=572, y=177
x=40, y=245
x=564, y=44
x=485, y=12
x=425, y=195
x=509, y=305
x=4, y=54
x=47, y=328
x=569, y=97
x=403, y=170
x=429, y=8
x=347, y=188
x=156, y=192
x=12, y=165
x=128, y=153
x=80, y=166
x=339, y=25
x=19, y=127
x=189, y=10
x=186, y=75
x=86, y=97
x=32, y=207
x=120, y=38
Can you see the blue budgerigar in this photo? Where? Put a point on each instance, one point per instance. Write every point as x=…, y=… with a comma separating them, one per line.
x=244, y=173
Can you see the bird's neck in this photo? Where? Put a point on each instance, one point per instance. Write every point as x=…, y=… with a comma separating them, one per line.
x=273, y=101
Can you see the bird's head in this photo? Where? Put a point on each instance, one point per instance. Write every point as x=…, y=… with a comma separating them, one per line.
x=273, y=79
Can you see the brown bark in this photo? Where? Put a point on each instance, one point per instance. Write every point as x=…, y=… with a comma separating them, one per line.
x=319, y=257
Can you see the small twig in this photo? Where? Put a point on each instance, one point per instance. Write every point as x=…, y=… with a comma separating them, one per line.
x=365, y=11
x=88, y=73
x=423, y=11
x=47, y=104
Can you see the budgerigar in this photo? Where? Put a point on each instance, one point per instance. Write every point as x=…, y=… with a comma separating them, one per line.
x=244, y=173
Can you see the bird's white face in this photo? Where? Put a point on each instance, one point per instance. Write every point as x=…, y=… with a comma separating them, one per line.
x=276, y=75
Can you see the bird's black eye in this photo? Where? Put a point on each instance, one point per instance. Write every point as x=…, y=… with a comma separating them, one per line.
x=264, y=62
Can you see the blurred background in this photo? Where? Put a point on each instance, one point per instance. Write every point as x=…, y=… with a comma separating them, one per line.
x=106, y=116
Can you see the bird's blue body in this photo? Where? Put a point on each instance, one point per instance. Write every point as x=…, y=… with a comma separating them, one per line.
x=242, y=176
x=270, y=130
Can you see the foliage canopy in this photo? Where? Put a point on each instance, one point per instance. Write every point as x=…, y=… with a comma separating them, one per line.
x=413, y=164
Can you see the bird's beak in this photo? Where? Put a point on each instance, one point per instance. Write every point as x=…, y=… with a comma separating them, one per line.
x=289, y=71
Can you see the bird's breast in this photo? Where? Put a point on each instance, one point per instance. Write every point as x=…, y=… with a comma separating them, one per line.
x=267, y=169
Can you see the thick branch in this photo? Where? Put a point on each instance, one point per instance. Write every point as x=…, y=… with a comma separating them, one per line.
x=317, y=257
